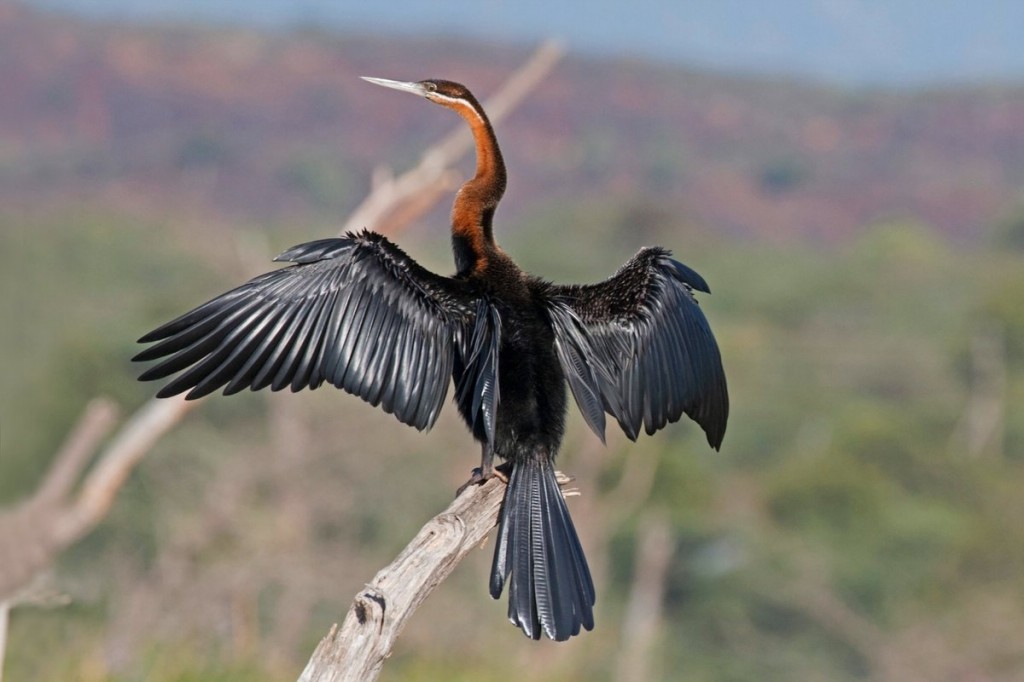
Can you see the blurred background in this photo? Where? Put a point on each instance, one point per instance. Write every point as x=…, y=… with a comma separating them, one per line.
x=847, y=175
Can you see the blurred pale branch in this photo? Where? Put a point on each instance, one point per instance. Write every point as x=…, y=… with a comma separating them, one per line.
x=35, y=532
x=419, y=188
x=5, y=611
x=643, y=618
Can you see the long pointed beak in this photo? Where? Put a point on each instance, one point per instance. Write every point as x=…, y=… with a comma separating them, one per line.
x=414, y=88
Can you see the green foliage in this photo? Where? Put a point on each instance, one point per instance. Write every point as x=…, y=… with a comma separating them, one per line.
x=843, y=475
x=1000, y=306
x=82, y=286
x=320, y=178
x=1009, y=233
x=204, y=149
x=782, y=175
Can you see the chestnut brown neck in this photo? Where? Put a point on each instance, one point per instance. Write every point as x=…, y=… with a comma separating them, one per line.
x=472, y=234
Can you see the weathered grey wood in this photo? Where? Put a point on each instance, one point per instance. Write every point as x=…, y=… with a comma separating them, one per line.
x=356, y=651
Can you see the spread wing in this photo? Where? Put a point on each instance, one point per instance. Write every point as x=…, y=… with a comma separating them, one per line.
x=638, y=347
x=356, y=312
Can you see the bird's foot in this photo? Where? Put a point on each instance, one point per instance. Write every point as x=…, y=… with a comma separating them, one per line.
x=480, y=476
x=502, y=472
x=475, y=478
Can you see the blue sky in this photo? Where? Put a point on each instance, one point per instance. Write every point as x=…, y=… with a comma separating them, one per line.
x=853, y=42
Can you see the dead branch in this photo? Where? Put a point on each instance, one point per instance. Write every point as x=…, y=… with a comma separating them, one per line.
x=27, y=538
x=642, y=621
x=5, y=610
x=135, y=439
x=980, y=430
x=357, y=650
x=35, y=532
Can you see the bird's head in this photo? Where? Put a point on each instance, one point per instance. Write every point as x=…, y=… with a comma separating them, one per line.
x=446, y=93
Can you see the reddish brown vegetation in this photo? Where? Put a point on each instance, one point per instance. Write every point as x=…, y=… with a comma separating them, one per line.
x=259, y=127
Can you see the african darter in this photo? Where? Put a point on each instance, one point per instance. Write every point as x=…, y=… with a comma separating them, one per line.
x=359, y=313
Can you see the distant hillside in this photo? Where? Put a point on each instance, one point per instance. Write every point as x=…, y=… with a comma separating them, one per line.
x=832, y=41
x=263, y=126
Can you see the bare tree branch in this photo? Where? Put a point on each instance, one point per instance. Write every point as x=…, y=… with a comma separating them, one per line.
x=135, y=439
x=980, y=430
x=357, y=650
x=94, y=424
x=642, y=621
x=35, y=532
x=5, y=612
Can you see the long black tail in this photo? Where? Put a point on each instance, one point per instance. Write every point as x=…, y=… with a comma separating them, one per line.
x=538, y=552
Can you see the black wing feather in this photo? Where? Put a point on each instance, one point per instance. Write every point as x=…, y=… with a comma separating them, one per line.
x=476, y=372
x=354, y=311
x=640, y=343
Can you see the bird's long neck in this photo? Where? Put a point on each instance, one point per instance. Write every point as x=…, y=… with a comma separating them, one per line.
x=472, y=233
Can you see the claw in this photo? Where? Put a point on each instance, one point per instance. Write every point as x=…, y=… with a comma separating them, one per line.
x=475, y=478
x=479, y=476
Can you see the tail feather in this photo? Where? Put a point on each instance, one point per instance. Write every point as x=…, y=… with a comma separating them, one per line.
x=521, y=599
x=574, y=574
x=539, y=554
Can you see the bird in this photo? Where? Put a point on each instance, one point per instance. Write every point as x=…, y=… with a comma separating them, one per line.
x=357, y=312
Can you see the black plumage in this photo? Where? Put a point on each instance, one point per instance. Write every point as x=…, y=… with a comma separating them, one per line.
x=358, y=313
